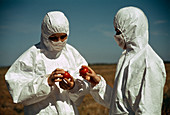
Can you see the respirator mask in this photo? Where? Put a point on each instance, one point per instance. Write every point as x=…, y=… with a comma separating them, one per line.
x=57, y=46
x=120, y=40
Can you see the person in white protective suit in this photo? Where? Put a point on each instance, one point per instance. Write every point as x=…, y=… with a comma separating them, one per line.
x=36, y=77
x=140, y=75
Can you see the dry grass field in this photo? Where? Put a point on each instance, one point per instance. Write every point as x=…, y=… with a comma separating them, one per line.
x=88, y=106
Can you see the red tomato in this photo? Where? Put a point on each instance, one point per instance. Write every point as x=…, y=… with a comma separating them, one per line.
x=83, y=71
x=66, y=75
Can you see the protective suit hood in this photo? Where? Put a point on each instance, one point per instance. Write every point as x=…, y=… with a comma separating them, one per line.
x=140, y=74
x=133, y=25
x=27, y=77
x=53, y=22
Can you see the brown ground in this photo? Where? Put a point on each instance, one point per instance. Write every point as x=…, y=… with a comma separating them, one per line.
x=88, y=106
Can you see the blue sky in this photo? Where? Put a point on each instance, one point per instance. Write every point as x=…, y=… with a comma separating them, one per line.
x=91, y=26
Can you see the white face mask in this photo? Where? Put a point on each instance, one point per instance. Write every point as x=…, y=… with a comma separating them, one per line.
x=58, y=46
x=120, y=40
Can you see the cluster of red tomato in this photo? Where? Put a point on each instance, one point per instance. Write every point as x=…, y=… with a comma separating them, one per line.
x=82, y=72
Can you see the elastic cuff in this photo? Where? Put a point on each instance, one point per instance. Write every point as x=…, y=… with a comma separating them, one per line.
x=100, y=84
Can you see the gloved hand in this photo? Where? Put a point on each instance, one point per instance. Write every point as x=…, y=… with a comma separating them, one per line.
x=57, y=75
x=91, y=76
x=66, y=83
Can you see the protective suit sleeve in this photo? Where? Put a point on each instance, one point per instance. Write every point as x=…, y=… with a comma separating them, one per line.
x=80, y=89
x=152, y=93
x=81, y=86
x=146, y=84
x=102, y=93
x=24, y=85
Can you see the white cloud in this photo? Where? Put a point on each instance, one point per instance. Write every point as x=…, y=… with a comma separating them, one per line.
x=160, y=22
x=108, y=33
x=155, y=33
x=104, y=29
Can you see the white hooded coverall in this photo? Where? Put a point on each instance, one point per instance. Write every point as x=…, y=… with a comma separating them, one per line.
x=140, y=75
x=27, y=77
